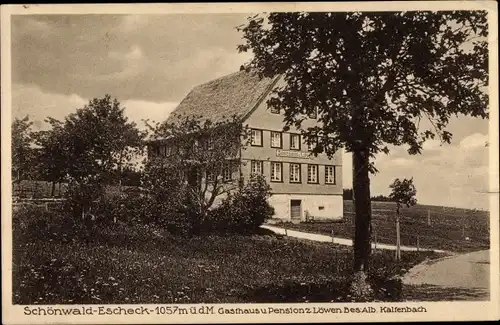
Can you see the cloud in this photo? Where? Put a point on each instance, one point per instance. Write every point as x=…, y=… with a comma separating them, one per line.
x=139, y=110
x=474, y=141
x=31, y=100
x=431, y=144
x=448, y=175
x=149, y=57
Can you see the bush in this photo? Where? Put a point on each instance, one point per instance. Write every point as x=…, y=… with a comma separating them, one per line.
x=244, y=211
x=81, y=196
x=34, y=223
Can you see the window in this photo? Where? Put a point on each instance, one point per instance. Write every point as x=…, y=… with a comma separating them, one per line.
x=276, y=172
x=227, y=172
x=295, y=173
x=155, y=151
x=295, y=141
x=256, y=167
x=256, y=138
x=312, y=174
x=275, y=110
x=312, y=144
x=275, y=139
x=313, y=114
x=329, y=174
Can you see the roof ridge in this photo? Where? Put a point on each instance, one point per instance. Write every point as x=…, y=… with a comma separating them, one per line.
x=261, y=98
x=217, y=79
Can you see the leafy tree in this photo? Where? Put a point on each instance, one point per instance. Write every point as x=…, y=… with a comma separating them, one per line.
x=403, y=193
x=372, y=77
x=88, y=146
x=102, y=139
x=52, y=155
x=196, y=156
x=22, y=149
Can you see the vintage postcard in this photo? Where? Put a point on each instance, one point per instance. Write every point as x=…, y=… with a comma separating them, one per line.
x=249, y=163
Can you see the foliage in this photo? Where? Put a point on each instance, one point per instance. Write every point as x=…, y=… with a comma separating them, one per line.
x=90, y=143
x=23, y=154
x=192, y=156
x=129, y=176
x=403, y=192
x=88, y=147
x=80, y=198
x=53, y=161
x=381, y=198
x=372, y=77
x=405, y=74
x=244, y=211
x=163, y=199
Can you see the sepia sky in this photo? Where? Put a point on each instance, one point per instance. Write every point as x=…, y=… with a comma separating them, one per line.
x=151, y=62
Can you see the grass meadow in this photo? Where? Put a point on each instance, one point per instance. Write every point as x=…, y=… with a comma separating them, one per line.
x=62, y=261
x=451, y=229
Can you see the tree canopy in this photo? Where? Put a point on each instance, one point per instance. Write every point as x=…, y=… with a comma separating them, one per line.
x=23, y=162
x=195, y=154
x=373, y=76
x=91, y=143
x=403, y=192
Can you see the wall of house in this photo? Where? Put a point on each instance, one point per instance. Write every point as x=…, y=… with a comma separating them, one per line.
x=318, y=201
x=264, y=120
x=317, y=207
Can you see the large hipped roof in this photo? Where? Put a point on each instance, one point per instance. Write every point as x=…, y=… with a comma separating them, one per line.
x=234, y=95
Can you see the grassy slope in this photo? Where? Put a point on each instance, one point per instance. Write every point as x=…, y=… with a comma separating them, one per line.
x=138, y=264
x=444, y=232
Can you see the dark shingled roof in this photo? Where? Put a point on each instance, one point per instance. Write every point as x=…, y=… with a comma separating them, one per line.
x=220, y=99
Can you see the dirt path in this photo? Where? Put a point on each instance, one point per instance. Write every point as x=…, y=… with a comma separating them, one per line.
x=460, y=277
x=339, y=241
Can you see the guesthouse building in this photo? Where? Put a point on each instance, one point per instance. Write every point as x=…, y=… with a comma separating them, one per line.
x=304, y=186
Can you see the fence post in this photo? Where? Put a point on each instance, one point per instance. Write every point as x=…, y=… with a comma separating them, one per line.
x=47, y=206
x=418, y=243
x=333, y=239
x=286, y=233
x=428, y=217
x=398, y=240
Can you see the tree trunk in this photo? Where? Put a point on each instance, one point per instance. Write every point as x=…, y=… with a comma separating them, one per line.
x=362, y=207
x=194, y=212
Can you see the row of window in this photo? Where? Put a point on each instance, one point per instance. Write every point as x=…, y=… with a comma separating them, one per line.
x=277, y=140
x=227, y=173
x=256, y=141
x=295, y=170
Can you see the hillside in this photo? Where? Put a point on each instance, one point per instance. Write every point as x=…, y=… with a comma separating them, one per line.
x=453, y=229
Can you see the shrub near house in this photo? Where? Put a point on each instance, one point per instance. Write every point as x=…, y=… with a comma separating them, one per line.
x=244, y=211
